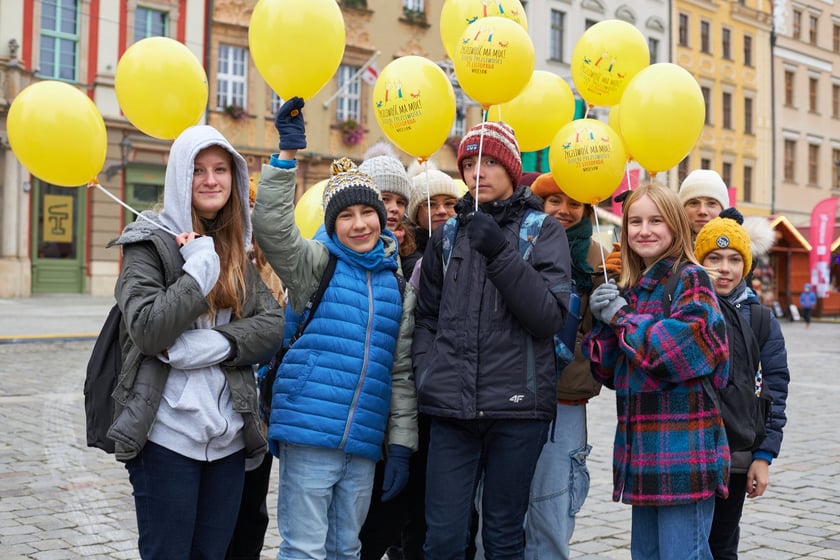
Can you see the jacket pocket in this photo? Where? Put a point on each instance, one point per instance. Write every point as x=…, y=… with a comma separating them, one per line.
x=296, y=376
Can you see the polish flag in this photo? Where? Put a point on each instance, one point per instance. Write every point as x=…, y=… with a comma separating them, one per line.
x=370, y=74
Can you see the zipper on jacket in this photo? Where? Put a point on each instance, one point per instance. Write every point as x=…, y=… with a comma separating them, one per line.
x=361, y=381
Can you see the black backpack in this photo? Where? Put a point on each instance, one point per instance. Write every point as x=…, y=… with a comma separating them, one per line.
x=103, y=369
x=744, y=407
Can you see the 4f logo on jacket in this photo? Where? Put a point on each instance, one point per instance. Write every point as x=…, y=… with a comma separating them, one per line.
x=516, y=398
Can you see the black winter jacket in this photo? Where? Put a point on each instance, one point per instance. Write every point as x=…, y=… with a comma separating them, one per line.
x=483, y=343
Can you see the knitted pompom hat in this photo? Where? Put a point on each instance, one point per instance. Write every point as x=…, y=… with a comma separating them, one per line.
x=437, y=182
x=725, y=232
x=704, y=182
x=348, y=186
x=387, y=171
x=499, y=143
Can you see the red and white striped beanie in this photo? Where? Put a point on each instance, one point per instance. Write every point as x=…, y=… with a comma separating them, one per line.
x=499, y=143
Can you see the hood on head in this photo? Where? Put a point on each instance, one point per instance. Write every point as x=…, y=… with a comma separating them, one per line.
x=177, y=189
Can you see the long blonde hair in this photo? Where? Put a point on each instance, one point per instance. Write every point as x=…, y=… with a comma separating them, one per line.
x=668, y=204
x=228, y=236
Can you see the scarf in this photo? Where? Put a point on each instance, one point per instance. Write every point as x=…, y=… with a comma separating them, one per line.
x=580, y=239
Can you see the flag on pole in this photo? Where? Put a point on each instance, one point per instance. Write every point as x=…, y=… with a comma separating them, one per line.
x=823, y=217
x=370, y=74
x=618, y=202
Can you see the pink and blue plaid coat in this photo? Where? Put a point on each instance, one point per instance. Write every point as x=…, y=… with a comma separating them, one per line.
x=670, y=443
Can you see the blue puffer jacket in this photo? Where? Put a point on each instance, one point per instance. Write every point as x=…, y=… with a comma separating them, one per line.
x=333, y=388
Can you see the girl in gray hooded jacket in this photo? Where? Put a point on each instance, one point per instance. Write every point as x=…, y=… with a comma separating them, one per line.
x=195, y=316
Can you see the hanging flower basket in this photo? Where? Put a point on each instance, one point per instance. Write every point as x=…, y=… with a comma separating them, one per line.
x=351, y=132
x=236, y=112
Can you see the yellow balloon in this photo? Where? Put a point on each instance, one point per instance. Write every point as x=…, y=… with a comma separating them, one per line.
x=494, y=60
x=462, y=186
x=536, y=114
x=57, y=133
x=161, y=87
x=587, y=160
x=605, y=59
x=662, y=116
x=414, y=105
x=297, y=46
x=309, y=211
x=456, y=15
x=615, y=124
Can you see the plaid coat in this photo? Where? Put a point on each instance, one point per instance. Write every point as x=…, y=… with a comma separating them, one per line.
x=670, y=443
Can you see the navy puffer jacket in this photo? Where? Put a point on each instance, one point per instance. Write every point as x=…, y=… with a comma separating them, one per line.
x=483, y=343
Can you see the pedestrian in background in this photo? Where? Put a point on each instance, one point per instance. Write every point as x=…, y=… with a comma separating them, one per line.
x=345, y=386
x=189, y=418
x=671, y=455
x=703, y=195
x=807, y=301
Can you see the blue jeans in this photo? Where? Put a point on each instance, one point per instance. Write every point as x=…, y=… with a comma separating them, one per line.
x=185, y=508
x=505, y=453
x=559, y=488
x=324, y=496
x=672, y=532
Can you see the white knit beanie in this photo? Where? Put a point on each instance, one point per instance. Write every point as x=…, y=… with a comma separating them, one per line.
x=381, y=163
x=437, y=182
x=704, y=182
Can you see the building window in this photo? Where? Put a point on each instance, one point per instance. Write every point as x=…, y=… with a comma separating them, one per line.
x=797, y=23
x=813, y=84
x=459, y=126
x=348, y=104
x=748, y=50
x=413, y=6
x=835, y=166
x=231, y=77
x=707, y=96
x=683, y=30
x=835, y=38
x=276, y=102
x=150, y=23
x=726, y=108
x=682, y=169
x=790, y=159
x=813, y=22
x=748, y=115
x=788, y=88
x=653, y=47
x=59, y=39
x=726, y=43
x=726, y=173
x=705, y=37
x=835, y=101
x=705, y=163
x=589, y=23
x=558, y=31
x=813, y=164
x=748, y=181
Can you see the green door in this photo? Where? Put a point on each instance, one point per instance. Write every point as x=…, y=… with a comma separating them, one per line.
x=58, y=255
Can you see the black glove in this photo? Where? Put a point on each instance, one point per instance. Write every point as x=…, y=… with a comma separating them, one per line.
x=485, y=235
x=289, y=123
x=396, y=471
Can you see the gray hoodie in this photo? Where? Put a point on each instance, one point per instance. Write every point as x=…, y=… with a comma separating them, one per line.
x=196, y=417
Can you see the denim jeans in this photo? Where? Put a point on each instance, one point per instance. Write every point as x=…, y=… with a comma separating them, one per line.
x=726, y=527
x=324, y=496
x=504, y=453
x=559, y=488
x=185, y=508
x=672, y=532
x=249, y=535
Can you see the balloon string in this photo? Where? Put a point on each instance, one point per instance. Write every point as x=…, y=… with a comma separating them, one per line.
x=598, y=230
x=428, y=195
x=478, y=158
x=95, y=183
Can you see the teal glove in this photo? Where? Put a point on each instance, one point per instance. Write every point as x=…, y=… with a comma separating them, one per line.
x=396, y=471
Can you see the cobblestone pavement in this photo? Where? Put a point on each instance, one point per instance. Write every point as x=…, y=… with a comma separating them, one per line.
x=62, y=500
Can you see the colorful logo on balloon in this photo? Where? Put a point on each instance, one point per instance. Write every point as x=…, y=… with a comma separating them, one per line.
x=586, y=151
x=481, y=53
x=397, y=110
x=457, y=15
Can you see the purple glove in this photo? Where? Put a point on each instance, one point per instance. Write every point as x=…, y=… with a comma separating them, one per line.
x=289, y=123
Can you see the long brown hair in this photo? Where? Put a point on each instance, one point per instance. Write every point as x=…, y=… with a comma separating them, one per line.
x=668, y=203
x=228, y=232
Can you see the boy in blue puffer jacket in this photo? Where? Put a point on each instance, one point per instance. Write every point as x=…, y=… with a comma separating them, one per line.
x=346, y=382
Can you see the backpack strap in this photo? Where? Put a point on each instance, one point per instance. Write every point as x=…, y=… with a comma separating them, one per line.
x=315, y=299
x=450, y=231
x=670, y=289
x=760, y=323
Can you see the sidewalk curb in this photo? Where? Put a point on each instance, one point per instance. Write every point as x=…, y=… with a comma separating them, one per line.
x=35, y=338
